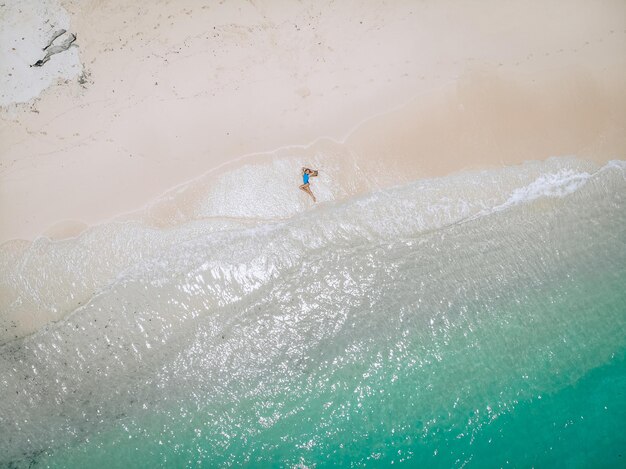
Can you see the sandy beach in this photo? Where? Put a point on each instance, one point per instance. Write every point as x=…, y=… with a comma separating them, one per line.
x=169, y=297
x=167, y=92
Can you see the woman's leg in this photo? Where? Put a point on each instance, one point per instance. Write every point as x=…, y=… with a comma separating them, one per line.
x=307, y=189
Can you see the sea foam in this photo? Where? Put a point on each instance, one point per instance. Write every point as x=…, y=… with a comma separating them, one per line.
x=271, y=227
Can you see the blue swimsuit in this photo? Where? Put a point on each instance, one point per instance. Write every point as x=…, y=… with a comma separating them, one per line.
x=305, y=178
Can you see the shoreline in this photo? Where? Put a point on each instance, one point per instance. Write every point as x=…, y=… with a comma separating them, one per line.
x=363, y=139
x=121, y=144
x=110, y=255
x=151, y=215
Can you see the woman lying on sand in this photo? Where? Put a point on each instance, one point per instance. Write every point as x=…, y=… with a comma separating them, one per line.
x=306, y=173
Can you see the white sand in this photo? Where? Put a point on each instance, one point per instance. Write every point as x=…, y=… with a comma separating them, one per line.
x=178, y=88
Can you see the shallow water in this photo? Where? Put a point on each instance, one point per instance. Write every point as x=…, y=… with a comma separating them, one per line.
x=474, y=320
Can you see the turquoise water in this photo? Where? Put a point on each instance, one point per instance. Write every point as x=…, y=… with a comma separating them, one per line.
x=581, y=425
x=363, y=335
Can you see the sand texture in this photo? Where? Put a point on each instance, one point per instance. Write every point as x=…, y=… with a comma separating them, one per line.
x=153, y=95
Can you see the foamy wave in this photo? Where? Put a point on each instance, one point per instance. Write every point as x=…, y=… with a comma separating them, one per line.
x=553, y=184
x=557, y=184
x=46, y=280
